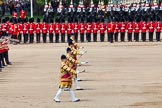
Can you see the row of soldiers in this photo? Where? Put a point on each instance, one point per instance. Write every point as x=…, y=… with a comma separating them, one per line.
x=68, y=70
x=4, y=55
x=62, y=31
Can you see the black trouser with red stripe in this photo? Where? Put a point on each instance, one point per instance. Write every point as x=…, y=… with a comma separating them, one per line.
x=63, y=37
x=157, y=36
x=57, y=38
x=95, y=37
x=110, y=37
x=38, y=37
x=102, y=37
x=82, y=37
x=6, y=57
x=25, y=38
x=76, y=37
x=31, y=38
x=151, y=36
x=20, y=37
x=116, y=37
x=144, y=36
x=88, y=37
x=136, y=35
x=44, y=37
x=51, y=37
x=0, y=60
x=129, y=37
x=68, y=36
x=122, y=37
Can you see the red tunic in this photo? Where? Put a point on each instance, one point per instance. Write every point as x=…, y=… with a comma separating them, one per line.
x=63, y=28
x=110, y=28
x=88, y=28
x=116, y=28
x=31, y=28
x=69, y=28
x=51, y=28
x=20, y=27
x=137, y=28
x=38, y=28
x=95, y=28
x=102, y=28
x=123, y=27
x=151, y=26
x=44, y=28
x=15, y=30
x=158, y=26
x=58, y=27
x=22, y=14
x=14, y=15
x=130, y=27
x=82, y=28
x=76, y=27
x=144, y=27
x=25, y=28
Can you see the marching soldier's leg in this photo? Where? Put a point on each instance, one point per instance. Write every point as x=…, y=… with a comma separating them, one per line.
x=95, y=37
x=157, y=36
x=37, y=37
x=149, y=36
x=32, y=38
x=44, y=37
x=76, y=37
x=121, y=37
x=86, y=36
x=137, y=37
x=111, y=38
x=102, y=37
x=0, y=62
x=20, y=37
x=89, y=37
x=108, y=37
x=2, y=59
x=58, y=94
x=7, y=58
x=57, y=38
x=74, y=99
x=51, y=37
x=68, y=37
x=116, y=37
x=30, y=41
x=152, y=37
x=63, y=37
x=82, y=37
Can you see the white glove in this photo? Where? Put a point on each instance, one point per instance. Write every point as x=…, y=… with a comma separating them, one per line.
x=83, y=62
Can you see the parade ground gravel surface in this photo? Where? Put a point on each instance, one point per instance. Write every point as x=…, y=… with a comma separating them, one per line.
x=119, y=75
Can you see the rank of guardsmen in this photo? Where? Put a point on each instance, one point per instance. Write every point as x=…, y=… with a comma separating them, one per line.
x=68, y=70
x=137, y=21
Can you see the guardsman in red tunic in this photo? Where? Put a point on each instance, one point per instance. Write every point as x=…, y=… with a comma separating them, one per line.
x=57, y=31
x=136, y=31
x=31, y=30
x=15, y=32
x=6, y=54
x=51, y=30
x=69, y=30
x=130, y=30
x=25, y=30
x=10, y=27
x=88, y=31
x=20, y=29
x=44, y=31
x=22, y=14
x=122, y=31
x=102, y=28
x=63, y=31
x=76, y=30
x=95, y=30
x=3, y=27
x=14, y=14
x=82, y=30
x=151, y=30
x=144, y=28
x=38, y=30
x=110, y=31
x=158, y=27
x=116, y=31
x=7, y=25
